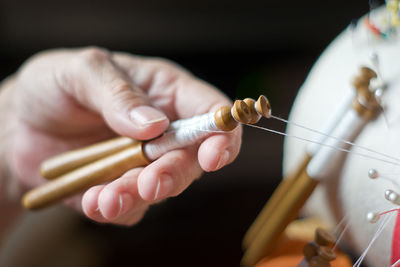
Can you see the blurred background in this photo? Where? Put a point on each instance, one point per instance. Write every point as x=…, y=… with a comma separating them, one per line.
x=244, y=48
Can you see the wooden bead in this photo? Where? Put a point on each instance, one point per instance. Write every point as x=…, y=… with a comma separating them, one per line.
x=241, y=112
x=323, y=238
x=224, y=120
x=310, y=250
x=255, y=117
x=263, y=107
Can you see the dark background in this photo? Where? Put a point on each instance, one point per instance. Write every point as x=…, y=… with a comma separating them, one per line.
x=244, y=48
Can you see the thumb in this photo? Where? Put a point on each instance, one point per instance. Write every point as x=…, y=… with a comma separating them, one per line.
x=105, y=88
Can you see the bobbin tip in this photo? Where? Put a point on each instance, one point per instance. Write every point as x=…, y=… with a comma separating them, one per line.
x=263, y=107
x=241, y=112
x=26, y=202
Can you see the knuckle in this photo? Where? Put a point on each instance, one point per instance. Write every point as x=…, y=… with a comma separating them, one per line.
x=94, y=54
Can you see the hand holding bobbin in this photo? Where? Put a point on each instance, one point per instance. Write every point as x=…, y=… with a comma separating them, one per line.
x=90, y=167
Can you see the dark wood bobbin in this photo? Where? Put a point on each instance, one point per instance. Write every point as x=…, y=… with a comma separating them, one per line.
x=241, y=112
x=311, y=249
x=255, y=117
x=324, y=238
x=224, y=119
x=263, y=107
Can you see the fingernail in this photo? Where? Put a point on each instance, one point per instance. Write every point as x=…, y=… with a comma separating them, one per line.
x=165, y=185
x=142, y=116
x=125, y=203
x=223, y=159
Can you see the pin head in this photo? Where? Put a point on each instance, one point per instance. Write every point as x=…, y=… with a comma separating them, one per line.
x=372, y=217
x=373, y=174
x=387, y=194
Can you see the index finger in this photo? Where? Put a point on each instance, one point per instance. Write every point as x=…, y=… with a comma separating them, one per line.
x=170, y=87
x=181, y=95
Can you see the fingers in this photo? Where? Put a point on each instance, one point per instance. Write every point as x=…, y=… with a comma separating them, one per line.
x=117, y=202
x=188, y=96
x=220, y=150
x=169, y=175
x=96, y=82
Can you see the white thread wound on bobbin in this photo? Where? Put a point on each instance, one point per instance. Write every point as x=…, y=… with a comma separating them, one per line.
x=181, y=134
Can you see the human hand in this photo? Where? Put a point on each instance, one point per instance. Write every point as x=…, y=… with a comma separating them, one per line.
x=65, y=99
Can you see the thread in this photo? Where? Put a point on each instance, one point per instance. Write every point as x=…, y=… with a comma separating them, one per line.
x=323, y=144
x=342, y=233
x=182, y=134
x=376, y=235
x=336, y=138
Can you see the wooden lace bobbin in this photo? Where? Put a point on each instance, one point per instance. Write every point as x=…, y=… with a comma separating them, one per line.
x=76, y=158
x=287, y=210
x=274, y=201
x=113, y=166
x=98, y=172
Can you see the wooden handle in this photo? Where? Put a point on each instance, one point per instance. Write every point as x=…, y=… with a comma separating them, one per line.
x=273, y=202
x=68, y=161
x=98, y=172
x=289, y=207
